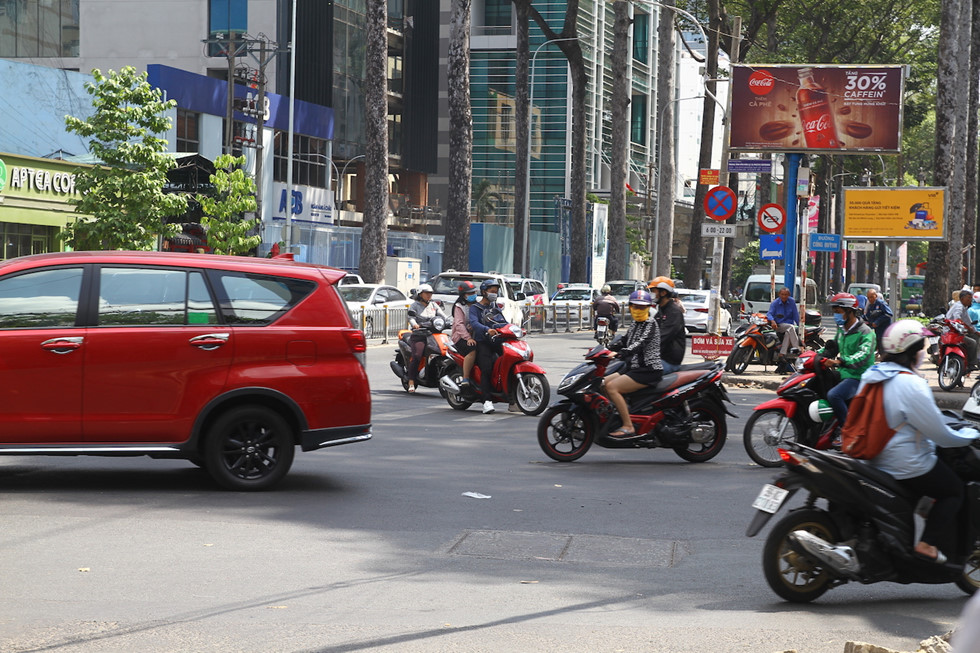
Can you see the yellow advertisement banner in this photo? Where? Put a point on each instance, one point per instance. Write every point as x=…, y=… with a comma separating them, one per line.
x=912, y=213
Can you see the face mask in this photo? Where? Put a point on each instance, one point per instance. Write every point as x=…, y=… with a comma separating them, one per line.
x=639, y=314
x=470, y=298
x=839, y=319
x=491, y=297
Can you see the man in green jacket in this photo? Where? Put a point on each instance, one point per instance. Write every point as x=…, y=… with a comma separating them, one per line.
x=856, y=353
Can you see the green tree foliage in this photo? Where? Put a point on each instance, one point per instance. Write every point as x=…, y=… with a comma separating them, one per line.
x=485, y=199
x=124, y=197
x=234, y=194
x=745, y=260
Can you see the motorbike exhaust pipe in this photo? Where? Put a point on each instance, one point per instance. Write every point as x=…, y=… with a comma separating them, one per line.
x=398, y=370
x=841, y=559
x=447, y=384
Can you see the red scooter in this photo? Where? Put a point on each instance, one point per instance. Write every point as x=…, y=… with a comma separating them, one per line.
x=685, y=412
x=953, y=368
x=795, y=415
x=516, y=379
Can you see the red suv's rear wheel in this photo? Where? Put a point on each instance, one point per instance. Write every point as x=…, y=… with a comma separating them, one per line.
x=249, y=448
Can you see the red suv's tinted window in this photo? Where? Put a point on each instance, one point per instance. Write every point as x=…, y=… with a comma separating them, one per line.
x=143, y=296
x=258, y=299
x=46, y=298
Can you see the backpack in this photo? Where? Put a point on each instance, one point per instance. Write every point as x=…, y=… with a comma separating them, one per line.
x=866, y=430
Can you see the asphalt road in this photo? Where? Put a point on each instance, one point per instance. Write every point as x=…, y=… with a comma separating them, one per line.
x=374, y=547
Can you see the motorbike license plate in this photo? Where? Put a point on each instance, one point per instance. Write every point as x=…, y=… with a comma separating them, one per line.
x=770, y=498
x=601, y=329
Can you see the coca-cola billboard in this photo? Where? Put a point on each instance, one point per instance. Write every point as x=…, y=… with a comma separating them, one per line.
x=848, y=109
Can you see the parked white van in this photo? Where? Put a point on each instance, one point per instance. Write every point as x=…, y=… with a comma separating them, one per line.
x=757, y=295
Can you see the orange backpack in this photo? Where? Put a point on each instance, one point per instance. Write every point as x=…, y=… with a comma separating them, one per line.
x=866, y=430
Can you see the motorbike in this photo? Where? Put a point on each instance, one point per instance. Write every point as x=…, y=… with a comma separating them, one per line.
x=684, y=412
x=935, y=330
x=602, y=333
x=515, y=377
x=953, y=368
x=757, y=342
x=435, y=358
x=865, y=532
x=792, y=416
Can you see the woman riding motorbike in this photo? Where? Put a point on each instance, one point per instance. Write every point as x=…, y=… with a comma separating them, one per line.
x=462, y=333
x=640, y=347
x=420, y=315
x=910, y=456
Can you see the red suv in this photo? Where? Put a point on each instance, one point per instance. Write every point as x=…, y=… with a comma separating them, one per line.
x=229, y=362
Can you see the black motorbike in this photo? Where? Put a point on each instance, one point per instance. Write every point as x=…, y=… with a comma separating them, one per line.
x=684, y=412
x=864, y=533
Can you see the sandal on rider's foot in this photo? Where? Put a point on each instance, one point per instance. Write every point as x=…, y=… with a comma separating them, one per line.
x=623, y=433
x=411, y=387
x=940, y=559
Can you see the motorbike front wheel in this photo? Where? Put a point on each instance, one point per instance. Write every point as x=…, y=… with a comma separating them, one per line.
x=969, y=580
x=532, y=393
x=565, y=433
x=710, y=431
x=765, y=431
x=741, y=357
x=950, y=372
x=790, y=574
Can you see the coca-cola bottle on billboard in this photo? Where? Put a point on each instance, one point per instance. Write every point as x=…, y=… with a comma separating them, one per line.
x=819, y=129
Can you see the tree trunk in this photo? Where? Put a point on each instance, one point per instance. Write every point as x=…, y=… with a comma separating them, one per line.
x=374, y=233
x=970, y=202
x=522, y=111
x=935, y=290
x=695, y=253
x=620, y=102
x=457, y=248
x=666, y=106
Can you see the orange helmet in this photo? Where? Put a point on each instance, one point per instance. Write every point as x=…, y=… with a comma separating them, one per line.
x=664, y=283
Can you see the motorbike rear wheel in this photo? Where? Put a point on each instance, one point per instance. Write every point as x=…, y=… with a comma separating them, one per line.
x=762, y=436
x=950, y=372
x=741, y=358
x=792, y=575
x=969, y=580
x=532, y=394
x=565, y=433
x=706, y=417
x=456, y=401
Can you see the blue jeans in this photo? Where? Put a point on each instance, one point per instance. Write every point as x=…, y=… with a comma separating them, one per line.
x=840, y=394
x=669, y=368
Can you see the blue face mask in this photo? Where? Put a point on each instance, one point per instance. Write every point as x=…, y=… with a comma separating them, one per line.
x=471, y=298
x=839, y=319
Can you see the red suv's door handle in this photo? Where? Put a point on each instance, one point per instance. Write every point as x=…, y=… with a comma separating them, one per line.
x=64, y=345
x=209, y=341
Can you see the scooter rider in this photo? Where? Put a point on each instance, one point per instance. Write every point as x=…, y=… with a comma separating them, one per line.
x=485, y=318
x=420, y=315
x=641, y=350
x=784, y=317
x=462, y=333
x=606, y=306
x=670, y=320
x=856, y=353
x=910, y=455
x=960, y=311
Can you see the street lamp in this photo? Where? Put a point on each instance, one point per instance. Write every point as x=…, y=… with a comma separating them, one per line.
x=525, y=264
x=340, y=177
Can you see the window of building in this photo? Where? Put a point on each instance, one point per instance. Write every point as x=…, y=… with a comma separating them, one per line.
x=396, y=82
x=394, y=134
x=641, y=36
x=188, y=134
x=496, y=13
x=39, y=28
x=310, y=164
x=24, y=239
x=638, y=119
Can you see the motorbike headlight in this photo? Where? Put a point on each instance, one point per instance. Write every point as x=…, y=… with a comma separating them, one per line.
x=569, y=381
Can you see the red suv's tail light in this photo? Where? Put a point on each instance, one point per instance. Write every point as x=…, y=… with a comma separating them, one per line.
x=358, y=345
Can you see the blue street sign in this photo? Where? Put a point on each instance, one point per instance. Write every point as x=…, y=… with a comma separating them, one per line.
x=771, y=247
x=824, y=242
x=750, y=165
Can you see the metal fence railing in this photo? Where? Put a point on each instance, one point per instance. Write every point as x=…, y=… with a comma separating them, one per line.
x=384, y=323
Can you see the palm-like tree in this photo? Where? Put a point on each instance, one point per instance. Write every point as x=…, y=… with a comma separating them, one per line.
x=485, y=199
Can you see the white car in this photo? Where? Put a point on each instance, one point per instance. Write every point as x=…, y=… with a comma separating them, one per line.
x=372, y=300
x=573, y=301
x=533, y=290
x=697, y=304
x=445, y=290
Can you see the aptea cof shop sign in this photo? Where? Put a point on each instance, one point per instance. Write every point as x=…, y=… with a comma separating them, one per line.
x=846, y=109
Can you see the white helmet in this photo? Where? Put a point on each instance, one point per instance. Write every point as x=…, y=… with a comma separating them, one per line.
x=976, y=297
x=901, y=335
x=424, y=288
